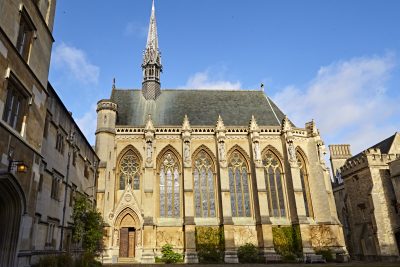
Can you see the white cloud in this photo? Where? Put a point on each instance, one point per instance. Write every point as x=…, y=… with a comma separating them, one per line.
x=87, y=123
x=206, y=80
x=135, y=29
x=75, y=63
x=349, y=101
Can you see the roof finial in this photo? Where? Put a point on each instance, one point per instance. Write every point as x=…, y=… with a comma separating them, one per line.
x=113, y=85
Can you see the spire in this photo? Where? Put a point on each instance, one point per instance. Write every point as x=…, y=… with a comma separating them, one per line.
x=151, y=61
x=152, y=37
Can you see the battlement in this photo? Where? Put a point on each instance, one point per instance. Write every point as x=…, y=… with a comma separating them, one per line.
x=106, y=104
x=340, y=151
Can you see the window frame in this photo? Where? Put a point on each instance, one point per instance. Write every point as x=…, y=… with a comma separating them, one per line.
x=245, y=166
x=13, y=84
x=25, y=38
x=176, y=169
x=267, y=178
x=304, y=179
x=214, y=184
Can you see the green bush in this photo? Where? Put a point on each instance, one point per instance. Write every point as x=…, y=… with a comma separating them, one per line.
x=248, y=253
x=65, y=260
x=210, y=244
x=326, y=253
x=169, y=255
x=287, y=240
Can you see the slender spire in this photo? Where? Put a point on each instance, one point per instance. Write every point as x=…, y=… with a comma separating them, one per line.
x=152, y=37
x=152, y=61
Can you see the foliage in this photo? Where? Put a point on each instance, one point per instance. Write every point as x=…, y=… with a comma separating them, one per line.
x=88, y=226
x=210, y=244
x=169, y=255
x=248, y=253
x=326, y=253
x=65, y=260
x=287, y=240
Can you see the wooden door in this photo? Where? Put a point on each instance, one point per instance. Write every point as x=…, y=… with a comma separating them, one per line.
x=123, y=242
x=131, y=238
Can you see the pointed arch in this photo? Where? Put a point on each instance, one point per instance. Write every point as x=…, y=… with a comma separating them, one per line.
x=169, y=174
x=275, y=182
x=274, y=151
x=128, y=212
x=12, y=208
x=204, y=182
x=242, y=152
x=303, y=166
x=239, y=182
x=129, y=168
x=209, y=153
x=172, y=150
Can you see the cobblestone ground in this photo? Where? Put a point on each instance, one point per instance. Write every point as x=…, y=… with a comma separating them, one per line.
x=351, y=264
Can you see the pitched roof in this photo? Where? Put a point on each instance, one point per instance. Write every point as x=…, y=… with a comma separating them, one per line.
x=201, y=106
x=384, y=146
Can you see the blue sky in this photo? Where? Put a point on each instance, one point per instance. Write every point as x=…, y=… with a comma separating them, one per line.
x=336, y=62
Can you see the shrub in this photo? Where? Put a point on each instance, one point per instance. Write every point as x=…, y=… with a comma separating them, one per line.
x=65, y=260
x=287, y=240
x=326, y=253
x=248, y=253
x=210, y=244
x=169, y=255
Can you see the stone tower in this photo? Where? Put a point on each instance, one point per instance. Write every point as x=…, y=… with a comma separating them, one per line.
x=151, y=62
x=339, y=155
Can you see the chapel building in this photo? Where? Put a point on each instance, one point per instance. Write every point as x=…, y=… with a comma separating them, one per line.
x=174, y=163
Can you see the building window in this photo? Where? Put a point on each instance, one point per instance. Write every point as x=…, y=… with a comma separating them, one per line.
x=129, y=171
x=46, y=126
x=60, y=144
x=55, y=187
x=204, y=189
x=304, y=184
x=274, y=181
x=72, y=195
x=50, y=241
x=16, y=108
x=239, y=185
x=25, y=35
x=169, y=186
x=86, y=171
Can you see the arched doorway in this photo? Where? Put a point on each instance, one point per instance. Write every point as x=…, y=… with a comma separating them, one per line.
x=12, y=206
x=128, y=226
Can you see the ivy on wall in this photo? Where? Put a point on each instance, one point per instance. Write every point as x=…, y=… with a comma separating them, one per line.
x=287, y=240
x=210, y=244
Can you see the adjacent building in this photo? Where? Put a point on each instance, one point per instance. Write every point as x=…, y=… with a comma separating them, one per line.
x=44, y=158
x=366, y=189
x=175, y=161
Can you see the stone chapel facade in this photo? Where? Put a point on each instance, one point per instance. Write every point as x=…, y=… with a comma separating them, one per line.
x=173, y=161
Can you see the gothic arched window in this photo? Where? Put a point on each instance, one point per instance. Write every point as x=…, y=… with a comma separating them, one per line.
x=304, y=184
x=239, y=185
x=169, y=186
x=274, y=180
x=204, y=189
x=129, y=171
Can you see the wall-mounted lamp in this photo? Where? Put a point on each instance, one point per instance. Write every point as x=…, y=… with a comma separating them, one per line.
x=19, y=165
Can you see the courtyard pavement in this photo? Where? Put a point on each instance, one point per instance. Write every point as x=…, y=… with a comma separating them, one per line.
x=350, y=264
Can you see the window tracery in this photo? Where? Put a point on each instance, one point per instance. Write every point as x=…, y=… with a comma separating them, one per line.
x=129, y=171
x=204, y=189
x=274, y=181
x=169, y=186
x=304, y=184
x=239, y=186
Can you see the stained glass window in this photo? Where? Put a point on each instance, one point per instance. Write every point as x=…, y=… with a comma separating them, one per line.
x=129, y=168
x=239, y=186
x=304, y=184
x=169, y=186
x=204, y=193
x=274, y=182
